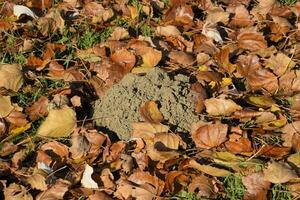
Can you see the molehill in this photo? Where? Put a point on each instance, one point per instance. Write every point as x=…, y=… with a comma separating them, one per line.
x=120, y=106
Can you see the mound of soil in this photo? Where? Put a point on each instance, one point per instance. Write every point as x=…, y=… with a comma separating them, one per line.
x=120, y=106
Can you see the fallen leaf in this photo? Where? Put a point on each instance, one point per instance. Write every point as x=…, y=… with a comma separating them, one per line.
x=38, y=109
x=257, y=186
x=168, y=141
x=213, y=171
x=295, y=159
x=5, y=106
x=17, y=119
x=11, y=76
x=99, y=195
x=169, y=30
x=151, y=57
x=86, y=180
x=209, y=135
x=7, y=148
x=124, y=58
x=16, y=192
x=146, y=130
x=182, y=58
x=58, y=123
x=119, y=33
x=291, y=135
x=203, y=186
x=241, y=17
x=126, y=190
x=250, y=39
x=37, y=180
x=289, y=83
x=108, y=179
x=218, y=106
x=56, y=191
x=23, y=10
x=217, y=14
x=280, y=63
x=279, y=173
x=150, y=112
x=141, y=178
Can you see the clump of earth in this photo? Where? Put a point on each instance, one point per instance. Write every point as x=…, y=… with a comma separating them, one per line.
x=121, y=104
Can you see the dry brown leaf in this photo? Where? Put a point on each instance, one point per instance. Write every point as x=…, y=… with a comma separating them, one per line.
x=176, y=180
x=124, y=58
x=126, y=190
x=8, y=148
x=141, y=178
x=161, y=156
x=38, y=109
x=215, y=15
x=53, y=154
x=151, y=57
x=51, y=23
x=99, y=195
x=209, y=135
x=280, y=63
x=5, y=106
x=217, y=106
x=150, y=112
x=290, y=82
x=17, y=119
x=169, y=30
x=119, y=33
x=58, y=123
x=182, y=58
x=291, y=135
x=238, y=144
x=108, y=179
x=250, y=39
x=279, y=173
x=168, y=141
x=213, y=171
x=203, y=187
x=11, y=76
x=241, y=17
x=56, y=191
x=257, y=186
x=223, y=59
x=146, y=130
x=16, y=192
x=37, y=180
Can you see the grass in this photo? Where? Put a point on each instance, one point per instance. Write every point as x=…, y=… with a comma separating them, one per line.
x=287, y=2
x=146, y=30
x=184, y=195
x=280, y=192
x=234, y=187
x=90, y=37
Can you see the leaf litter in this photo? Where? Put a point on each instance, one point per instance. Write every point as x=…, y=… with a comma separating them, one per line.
x=165, y=99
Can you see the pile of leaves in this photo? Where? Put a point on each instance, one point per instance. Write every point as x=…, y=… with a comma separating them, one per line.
x=58, y=57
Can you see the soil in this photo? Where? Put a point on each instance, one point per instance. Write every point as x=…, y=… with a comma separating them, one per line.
x=120, y=106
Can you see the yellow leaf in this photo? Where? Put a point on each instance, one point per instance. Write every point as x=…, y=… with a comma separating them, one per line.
x=5, y=106
x=295, y=159
x=11, y=76
x=213, y=171
x=261, y=101
x=203, y=68
x=226, y=81
x=20, y=130
x=58, y=123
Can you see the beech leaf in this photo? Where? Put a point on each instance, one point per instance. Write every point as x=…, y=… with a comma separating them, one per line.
x=58, y=123
x=216, y=106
